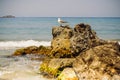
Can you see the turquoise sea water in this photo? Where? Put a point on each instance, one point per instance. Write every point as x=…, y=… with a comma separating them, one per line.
x=35, y=31
x=39, y=28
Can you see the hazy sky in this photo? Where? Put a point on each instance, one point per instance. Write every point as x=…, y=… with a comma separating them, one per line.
x=58, y=8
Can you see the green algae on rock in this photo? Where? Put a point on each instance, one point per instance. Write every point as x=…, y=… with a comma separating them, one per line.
x=55, y=66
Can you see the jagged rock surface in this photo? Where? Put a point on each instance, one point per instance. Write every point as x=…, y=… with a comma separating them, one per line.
x=84, y=38
x=99, y=63
x=61, y=42
x=94, y=58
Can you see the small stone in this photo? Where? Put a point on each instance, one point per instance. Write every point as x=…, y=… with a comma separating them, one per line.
x=68, y=74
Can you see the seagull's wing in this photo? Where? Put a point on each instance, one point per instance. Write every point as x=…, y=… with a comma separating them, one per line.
x=63, y=21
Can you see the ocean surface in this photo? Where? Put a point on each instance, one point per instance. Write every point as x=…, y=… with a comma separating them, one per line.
x=35, y=31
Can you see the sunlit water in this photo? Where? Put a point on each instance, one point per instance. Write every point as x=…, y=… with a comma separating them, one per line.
x=20, y=68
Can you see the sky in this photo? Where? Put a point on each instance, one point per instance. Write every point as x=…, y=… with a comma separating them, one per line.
x=60, y=8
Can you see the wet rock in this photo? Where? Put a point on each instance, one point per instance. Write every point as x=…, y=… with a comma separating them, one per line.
x=54, y=67
x=32, y=50
x=68, y=74
x=99, y=63
x=44, y=50
x=19, y=52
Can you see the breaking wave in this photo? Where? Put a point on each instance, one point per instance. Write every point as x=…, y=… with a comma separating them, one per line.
x=18, y=44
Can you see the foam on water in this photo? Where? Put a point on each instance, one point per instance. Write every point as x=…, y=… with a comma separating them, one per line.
x=17, y=44
x=20, y=68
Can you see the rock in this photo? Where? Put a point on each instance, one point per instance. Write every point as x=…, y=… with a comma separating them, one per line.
x=94, y=56
x=53, y=67
x=19, y=52
x=68, y=74
x=69, y=43
x=61, y=42
x=32, y=50
x=8, y=16
x=24, y=51
x=84, y=38
x=44, y=50
x=99, y=63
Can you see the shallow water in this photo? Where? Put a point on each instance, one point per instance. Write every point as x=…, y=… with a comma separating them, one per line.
x=20, y=68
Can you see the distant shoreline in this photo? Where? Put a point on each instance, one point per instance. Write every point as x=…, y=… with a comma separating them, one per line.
x=8, y=16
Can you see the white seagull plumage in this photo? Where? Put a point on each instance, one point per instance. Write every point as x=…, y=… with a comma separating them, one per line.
x=61, y=21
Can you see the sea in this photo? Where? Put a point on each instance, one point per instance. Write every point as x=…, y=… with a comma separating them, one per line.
x=22, y=32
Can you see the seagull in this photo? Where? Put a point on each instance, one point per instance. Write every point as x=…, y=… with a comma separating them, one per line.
x=61, y=21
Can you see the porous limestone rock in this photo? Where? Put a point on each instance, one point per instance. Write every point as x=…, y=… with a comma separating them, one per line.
x=95, y=59
x=84, y=38
x=61, y=42
x=99, y=63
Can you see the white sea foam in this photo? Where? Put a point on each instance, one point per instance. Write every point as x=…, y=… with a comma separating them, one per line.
x=17, y=44
x=21, y=68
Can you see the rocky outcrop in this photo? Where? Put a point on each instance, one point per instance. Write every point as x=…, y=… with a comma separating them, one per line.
x=84, y=38
x=68, y=42
x=94, y=58
x=32, y=50
x=61, y=42
x=79, y=52
x=99, y=63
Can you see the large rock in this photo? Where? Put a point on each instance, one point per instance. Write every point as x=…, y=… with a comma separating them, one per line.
x=99, y=63
x=68, y=42
x=87, y=56
x=61, y=42
x=84, y=38
x=94, y=56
